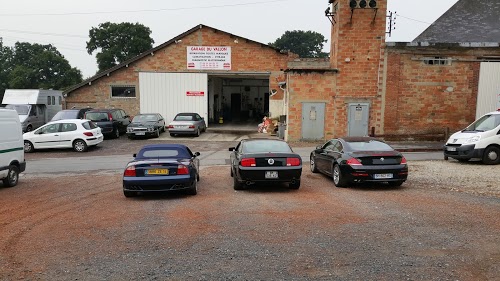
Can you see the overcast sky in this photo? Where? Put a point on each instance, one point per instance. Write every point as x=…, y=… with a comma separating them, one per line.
x=66, y=24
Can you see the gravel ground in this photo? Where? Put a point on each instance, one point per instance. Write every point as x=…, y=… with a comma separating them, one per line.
x=442, y=224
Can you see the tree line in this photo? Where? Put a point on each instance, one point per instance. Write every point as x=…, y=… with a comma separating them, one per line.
x=36, y=66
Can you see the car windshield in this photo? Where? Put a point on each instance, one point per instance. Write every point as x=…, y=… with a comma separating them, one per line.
x=485, y=123
x=21, y=109
x=65, y=114
x=263, y=146
x=97, y=116
x=183, y=118
x=370, y=145
x=144, y=118
x=164, y=153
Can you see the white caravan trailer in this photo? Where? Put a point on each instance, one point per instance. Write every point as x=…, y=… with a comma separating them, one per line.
x=34, y=107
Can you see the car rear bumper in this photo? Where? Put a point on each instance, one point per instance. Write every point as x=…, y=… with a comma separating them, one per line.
x=157, y=184
x=463, y=151
x=376, y=173
x=258, y=174
x=182, y=131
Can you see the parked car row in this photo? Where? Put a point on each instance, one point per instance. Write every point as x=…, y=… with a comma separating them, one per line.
x=166, y=167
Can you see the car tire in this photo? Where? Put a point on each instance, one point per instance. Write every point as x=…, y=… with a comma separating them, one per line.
x=193, y=190
x=29, y=128
x=294, y=185
x=116, y=133
x=395, y=183
x=80, y=146
x=197, y=134
x=130, y=137
x=445, y=158
x=129, y=194
x=491, y=155
x=236, y=184
x=172, y=135
x=232, y=175
x=312, y=164
x=12, y=176
x=157, y=133
x=338, y=178
x=28, y=147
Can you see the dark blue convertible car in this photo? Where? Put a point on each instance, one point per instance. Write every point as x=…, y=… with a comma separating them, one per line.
x=162, y=167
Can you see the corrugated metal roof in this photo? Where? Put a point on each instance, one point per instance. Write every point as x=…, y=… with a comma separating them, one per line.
x=466, y=21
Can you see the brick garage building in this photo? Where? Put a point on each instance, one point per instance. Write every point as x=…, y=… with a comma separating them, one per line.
x=253, y=77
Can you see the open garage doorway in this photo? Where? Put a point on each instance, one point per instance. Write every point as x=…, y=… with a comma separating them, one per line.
x=238, y=99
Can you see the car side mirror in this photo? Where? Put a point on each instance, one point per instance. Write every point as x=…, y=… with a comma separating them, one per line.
x=318, y=147
x=231, y=149
x=197, y=154
x=134, y=155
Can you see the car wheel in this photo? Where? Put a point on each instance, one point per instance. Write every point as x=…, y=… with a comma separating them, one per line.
x=172, y=135
x=12, y=176
x=29, y=128
x=294, y=185
x=157, y=133
x=197, y=132
x=193, y=190
x=314, y=169
x=80, y=146
x=491, y=155
x=395, y=183
x=445, y=157
x=338, y=178
x=130, y=137
x=116, y=133
x=232, y=175
x=236, y=184
x=28, y=147
x=129, y=194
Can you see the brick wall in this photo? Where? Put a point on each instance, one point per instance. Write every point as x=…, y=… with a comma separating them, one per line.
x=425, y=99
x=247, y=56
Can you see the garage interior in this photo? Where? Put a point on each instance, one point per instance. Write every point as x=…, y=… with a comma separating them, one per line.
x=237, y=99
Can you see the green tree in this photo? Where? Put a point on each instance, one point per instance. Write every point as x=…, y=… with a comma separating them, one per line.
x=118, y=42
x=306, y=44
x=35, y=66
x=5, y=67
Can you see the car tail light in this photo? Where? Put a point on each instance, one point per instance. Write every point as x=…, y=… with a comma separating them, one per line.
x=403, y=160
x=130, y=172
x=88, y=134
x=292, y=161
x=170, y=126
x=182, y=170
x=353, y=162
x=248, y=162
x=359, y=174
x=110, y=117
x=191, y=127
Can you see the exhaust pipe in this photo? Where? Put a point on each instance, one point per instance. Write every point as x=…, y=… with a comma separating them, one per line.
x=292, y=182
x=248, y=182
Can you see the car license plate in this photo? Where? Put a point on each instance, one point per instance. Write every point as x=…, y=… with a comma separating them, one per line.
x=382, y=176
x=181, y=127
x=157, y=172
x=140, y=133
x=271, y=175
x=451, y=148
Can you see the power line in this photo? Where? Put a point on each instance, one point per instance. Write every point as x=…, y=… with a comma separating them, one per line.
x=43, y=33
x=413, y=19
x=142, y=11
x=64, y=46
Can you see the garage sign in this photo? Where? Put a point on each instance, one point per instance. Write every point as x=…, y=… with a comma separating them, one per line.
x=209, y=57
x=195, y=93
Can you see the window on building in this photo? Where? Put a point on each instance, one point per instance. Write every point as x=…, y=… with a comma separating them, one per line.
x=123, y=91
x=437, y=61
x=49, y=100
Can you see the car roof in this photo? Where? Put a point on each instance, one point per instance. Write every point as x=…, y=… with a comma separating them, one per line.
x=70, y=120
x=156, y=146
x=261, y=139
x=104, y=110
x=359, y=139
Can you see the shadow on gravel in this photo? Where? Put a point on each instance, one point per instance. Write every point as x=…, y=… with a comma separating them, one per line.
x=268, y=188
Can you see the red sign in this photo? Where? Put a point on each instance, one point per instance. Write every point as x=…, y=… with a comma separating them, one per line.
x=195, y=93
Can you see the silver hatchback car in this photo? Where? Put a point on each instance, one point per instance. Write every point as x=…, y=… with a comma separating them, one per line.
x=187, y=123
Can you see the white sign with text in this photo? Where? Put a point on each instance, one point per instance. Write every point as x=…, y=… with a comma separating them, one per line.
x=209, y=57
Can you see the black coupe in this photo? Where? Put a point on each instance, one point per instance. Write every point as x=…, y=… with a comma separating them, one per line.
x=359, y=159
x=264, y=161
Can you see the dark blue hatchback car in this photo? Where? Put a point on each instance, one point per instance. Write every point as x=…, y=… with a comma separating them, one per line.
x=162, y=167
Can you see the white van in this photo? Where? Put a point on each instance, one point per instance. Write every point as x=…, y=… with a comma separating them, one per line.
x=480, y=140
x=11, y=148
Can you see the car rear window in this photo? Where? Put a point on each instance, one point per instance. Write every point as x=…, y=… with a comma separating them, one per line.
x=97, y=116
x=164, y=153
x=69, y=114
x=371, y=145
x=89, y=125
x=266, y=146
x=183, y=118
